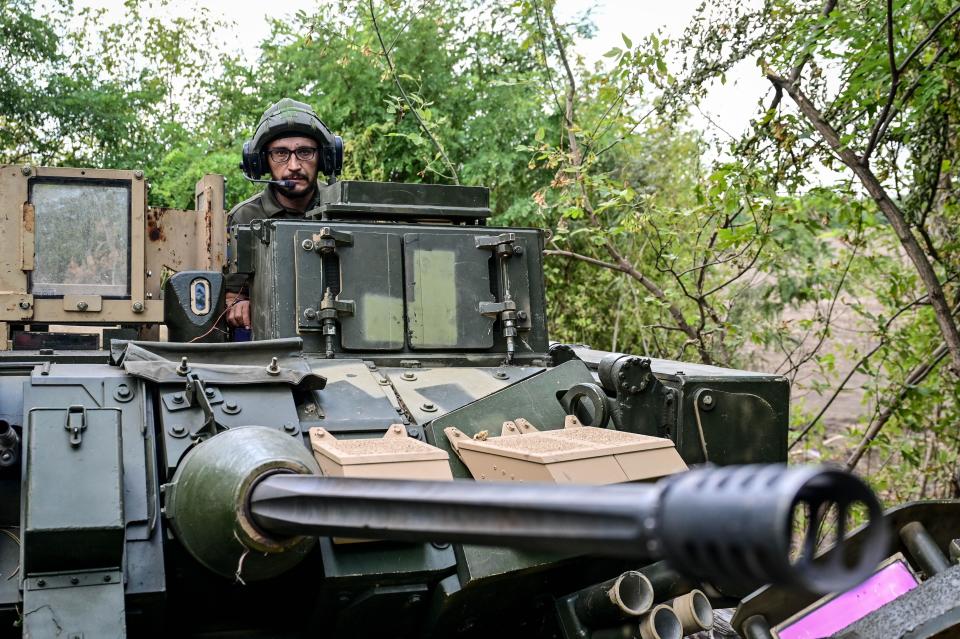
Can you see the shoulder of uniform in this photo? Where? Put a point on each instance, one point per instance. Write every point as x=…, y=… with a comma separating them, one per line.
x=253, y=200
x=251, y=208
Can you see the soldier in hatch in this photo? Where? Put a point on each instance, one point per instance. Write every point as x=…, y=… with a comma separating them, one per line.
x=294, y=147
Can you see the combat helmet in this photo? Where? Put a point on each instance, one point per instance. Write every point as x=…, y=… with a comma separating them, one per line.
x=289, y=117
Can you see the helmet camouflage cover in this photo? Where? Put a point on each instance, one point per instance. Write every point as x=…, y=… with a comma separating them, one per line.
x=289, y=117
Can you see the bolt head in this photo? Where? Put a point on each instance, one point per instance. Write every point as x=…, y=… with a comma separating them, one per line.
x=209, y=392
x=138, y=174
x=138, y=307
x=24, y=305
x=707, y=400
x=178, y=398
x=310, y=314
x=307, y=245
x=82, y=306
x=123, y=390
x=518, y=250
x=290, y=429
x=178, y=429
x=428, y=407
x=41, y=582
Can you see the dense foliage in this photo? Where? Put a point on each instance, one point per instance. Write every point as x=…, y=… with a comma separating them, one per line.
x=837, y=202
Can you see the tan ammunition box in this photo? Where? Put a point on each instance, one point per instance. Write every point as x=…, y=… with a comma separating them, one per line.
x=574, y=454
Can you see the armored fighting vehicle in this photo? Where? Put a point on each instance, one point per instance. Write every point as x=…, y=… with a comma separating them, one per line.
x=399, y=451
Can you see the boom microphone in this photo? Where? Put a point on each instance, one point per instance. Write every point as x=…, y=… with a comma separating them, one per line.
x=284, y=184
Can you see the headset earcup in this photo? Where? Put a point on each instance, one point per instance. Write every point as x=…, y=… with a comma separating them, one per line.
x=338, y=155
x=252, y=162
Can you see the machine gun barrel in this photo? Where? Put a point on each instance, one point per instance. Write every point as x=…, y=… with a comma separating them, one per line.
x=732, y=526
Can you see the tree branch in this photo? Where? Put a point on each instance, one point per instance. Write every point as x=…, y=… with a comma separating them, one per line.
x=889, y=209
x=576, y=157
x=929, y=37
x=413, y=109
x=915, y=377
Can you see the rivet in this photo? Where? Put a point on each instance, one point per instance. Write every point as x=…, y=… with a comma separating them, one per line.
x=138, y=307
x=290, y=429
x=501, y=375
x=74, y=580
x=107, y=578
x=82, y=306
x=26, y=170
x=41, y=583
x=138, y=174
x=24, y=305
x=178, y=430
x=123, y=390
x=409, y=376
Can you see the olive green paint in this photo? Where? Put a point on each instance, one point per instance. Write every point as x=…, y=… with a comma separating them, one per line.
x=383, y=319
x=433, y=309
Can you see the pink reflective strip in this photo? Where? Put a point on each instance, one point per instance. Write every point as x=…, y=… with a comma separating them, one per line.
x=885, y=585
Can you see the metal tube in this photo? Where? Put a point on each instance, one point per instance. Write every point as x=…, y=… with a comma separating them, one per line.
x=730, y=526
x=573, y=519
x=694, y=612
x=629, y=595
x=923, y=548
x=661, y=623
x=757, y=627
x=667, y=582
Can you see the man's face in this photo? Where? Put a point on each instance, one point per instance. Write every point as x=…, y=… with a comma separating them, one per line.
x=303, y=173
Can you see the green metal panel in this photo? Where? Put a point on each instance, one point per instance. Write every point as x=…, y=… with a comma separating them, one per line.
x=73, y=502
x=371, y=275
x=385, y=562
x=79, y=605
x=534, y=399
x=447, y=278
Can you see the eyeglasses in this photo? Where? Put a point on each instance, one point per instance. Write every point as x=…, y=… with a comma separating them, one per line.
x=282, y=156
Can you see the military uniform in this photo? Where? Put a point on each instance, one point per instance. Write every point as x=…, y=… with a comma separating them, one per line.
x=262, y=206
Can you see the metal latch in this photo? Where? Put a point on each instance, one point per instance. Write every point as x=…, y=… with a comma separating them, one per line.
x=327, y=240
x=505, y=308
x=76, y=424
